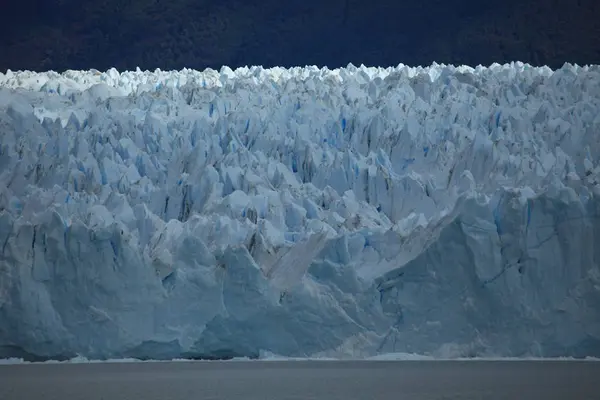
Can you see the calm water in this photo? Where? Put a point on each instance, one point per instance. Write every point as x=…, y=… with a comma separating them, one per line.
x=303, y=380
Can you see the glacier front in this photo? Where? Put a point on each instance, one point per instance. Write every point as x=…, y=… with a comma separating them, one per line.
x=305, y=212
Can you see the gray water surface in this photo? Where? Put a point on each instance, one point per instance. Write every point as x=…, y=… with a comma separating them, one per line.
x=316, y=380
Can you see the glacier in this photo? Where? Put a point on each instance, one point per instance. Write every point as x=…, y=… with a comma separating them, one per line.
x=305, y=212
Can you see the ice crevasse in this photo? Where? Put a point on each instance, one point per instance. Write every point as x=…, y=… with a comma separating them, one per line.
x=447, y=211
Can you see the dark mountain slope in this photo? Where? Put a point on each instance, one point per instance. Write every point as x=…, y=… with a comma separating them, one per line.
x=68, y=34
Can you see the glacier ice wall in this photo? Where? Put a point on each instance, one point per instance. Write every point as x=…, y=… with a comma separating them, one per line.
x=448, y=211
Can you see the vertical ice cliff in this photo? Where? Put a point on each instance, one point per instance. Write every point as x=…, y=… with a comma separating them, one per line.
x=448, y=211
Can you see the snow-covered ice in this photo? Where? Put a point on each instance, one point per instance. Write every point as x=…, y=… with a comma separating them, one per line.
x=443, y=211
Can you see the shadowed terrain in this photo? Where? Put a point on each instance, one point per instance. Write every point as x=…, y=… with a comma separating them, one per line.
x=68, y=34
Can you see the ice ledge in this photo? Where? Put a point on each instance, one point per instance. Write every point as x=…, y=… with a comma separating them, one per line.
x=135, y=82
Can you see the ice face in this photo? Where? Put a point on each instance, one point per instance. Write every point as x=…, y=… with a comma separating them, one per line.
x=447, y=211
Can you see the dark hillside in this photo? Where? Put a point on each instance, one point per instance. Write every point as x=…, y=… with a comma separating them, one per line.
x=172, y=34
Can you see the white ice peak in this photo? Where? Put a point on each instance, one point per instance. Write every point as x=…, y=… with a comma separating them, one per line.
x=300, y=211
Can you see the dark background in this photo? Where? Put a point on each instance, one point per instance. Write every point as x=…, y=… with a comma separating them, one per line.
x=173, y=34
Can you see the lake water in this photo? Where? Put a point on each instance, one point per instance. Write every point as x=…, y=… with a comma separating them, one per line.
x=315, y=380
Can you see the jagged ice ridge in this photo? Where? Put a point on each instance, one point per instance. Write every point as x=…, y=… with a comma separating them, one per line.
x=305, y=212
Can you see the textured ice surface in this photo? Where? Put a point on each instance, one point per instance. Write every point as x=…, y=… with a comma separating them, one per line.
x=304, y=212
